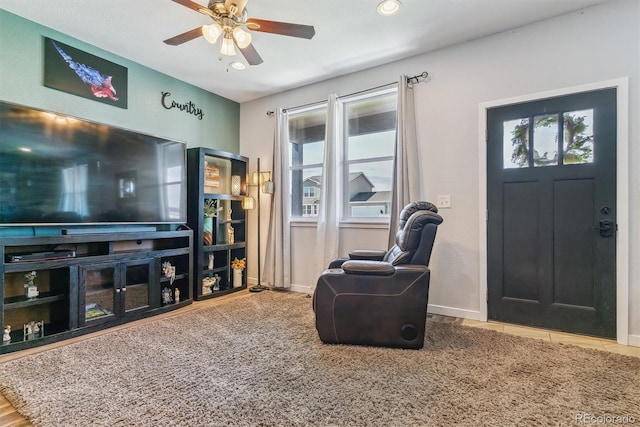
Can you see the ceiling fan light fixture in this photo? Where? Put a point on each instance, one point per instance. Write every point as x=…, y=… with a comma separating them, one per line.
x=227, y=47
x=388, y=7
x=211, y=32
x=237, y=65
x=242, y=38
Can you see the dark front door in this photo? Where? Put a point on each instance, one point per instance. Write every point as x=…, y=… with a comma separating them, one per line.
x=551, y=197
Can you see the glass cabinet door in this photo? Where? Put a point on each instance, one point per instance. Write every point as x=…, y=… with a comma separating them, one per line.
x=135, y=290
x=100, y=284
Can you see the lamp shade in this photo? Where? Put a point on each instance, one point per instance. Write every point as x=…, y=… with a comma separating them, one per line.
x=268, y=187
x=235, y=185
x=211, y=32
x=227, y=46
x=248, y=203
x=243, y=39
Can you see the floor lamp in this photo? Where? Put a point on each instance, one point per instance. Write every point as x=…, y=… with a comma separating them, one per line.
x=262, y=180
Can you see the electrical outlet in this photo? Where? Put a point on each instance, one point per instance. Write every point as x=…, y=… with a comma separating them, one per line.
x=444, y=201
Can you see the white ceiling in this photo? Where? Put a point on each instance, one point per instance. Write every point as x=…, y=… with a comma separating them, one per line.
x=350, y=35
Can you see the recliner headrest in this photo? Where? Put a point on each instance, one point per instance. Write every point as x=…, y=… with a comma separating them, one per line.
x=412, y=208
x=413, y=218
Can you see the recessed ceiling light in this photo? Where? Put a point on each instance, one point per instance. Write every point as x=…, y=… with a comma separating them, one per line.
x=238, y=65
x=388, y=7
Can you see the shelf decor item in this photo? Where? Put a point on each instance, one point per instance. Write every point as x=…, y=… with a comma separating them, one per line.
x=238, y=265
x=32, y=289
x=211, y=178
x=211, y=210
x=169, y=271
x=6, y=337
x=33, y=330
x=167, y=297
x=231, y=238
x=207, y=285
x=235, y=185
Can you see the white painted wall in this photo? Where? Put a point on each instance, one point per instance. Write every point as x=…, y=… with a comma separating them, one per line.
x=596, y=44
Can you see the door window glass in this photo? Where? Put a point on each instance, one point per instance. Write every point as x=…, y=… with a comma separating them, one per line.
x=516, y=143
x=545, y=140
x=578, y=137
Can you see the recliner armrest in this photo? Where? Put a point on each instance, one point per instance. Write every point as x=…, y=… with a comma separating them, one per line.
x=371, y=268
x=337, y=263
x=367, y=254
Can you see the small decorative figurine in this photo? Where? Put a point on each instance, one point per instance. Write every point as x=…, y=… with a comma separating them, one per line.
x=210, y=266
x=216, y=283
x=207, y=283
x=6, y=337
x=229, y=214
x=32, y=289
x=176, y=295
x=28, y=330
x=230, y=235
x=169, y=271
x=167, y=298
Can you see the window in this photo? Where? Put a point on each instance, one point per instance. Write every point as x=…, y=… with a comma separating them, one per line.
x=310, y=210
x=536, y=140
x=370, y=135
x=306, y=154
x=366, y=155
x=309, y=192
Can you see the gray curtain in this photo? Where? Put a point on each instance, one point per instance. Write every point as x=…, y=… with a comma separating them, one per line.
x=407, y=183
x=328, y=231
x=277, y=266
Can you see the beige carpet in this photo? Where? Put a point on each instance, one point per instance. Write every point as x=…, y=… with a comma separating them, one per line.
x=257, y=361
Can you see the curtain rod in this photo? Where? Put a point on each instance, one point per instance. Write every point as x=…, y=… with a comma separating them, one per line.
x=410, y=81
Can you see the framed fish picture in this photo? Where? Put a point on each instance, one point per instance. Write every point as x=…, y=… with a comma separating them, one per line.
x=80, y=73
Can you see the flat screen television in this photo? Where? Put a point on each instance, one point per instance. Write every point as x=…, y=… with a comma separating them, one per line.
x=56, y=169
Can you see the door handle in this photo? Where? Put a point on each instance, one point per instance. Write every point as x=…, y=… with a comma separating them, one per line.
x=606, y=227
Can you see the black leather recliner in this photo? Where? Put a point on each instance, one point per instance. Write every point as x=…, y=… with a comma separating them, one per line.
x=378, y=297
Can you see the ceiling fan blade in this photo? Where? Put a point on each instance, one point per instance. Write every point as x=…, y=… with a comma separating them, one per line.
x=190, y=4
x=251, y=55
x=283, y=28
x=184, y=37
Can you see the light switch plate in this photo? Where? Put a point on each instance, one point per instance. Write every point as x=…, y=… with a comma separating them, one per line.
x=444, y=201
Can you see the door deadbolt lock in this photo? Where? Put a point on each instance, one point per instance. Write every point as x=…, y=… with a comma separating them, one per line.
x=606, y=227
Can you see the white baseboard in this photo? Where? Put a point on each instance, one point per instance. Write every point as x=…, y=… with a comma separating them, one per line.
x=294, y=288
x=454, y=312
x=634, y=340
x=302, y=289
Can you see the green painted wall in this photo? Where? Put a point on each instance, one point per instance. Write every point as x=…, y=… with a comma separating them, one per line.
x=21, y=77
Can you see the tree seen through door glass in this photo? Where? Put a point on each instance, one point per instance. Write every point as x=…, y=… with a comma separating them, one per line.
x=578, y=137
x=516, y=143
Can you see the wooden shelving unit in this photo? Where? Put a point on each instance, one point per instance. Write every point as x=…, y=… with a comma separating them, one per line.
x=204, y=165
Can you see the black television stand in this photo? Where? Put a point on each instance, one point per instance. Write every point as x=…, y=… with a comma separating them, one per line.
x=108, y=230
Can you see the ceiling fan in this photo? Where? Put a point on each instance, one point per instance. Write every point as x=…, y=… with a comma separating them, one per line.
x=230, y=19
